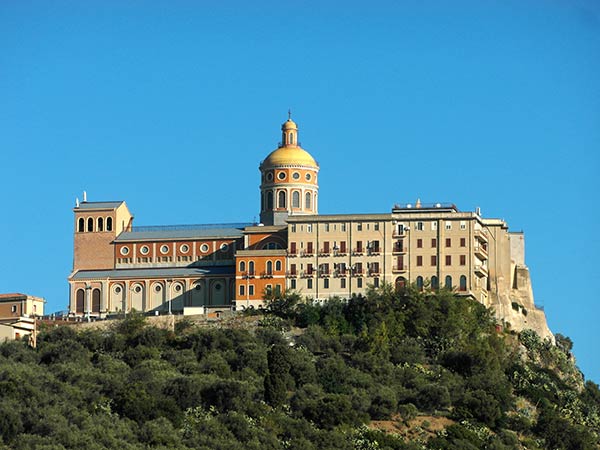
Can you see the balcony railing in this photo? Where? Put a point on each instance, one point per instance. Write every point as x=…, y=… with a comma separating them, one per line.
x=291, y=273
x=481, y=270
x=358, y=251
x=399, y=234
x=324, y=252
x=399, y=268
x=308, y=274
x=266, y=274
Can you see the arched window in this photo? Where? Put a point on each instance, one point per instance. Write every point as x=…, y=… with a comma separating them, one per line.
x=251, y=268
x=80, y=301
x=420, y=282
x=81, y=225
x=435, y=283
x=269, y=200
x=448, y=283
x=90, y=224
x=96, y=301
x=400, y=283
x=109, y=224
x=262, y=202
x=295, y=199
x=269, y=268
x=292, y=138
x=100, y=224
x=277, y=265
x=242, y=266
x=307, y=200
x=463, y=283
x=281, y=199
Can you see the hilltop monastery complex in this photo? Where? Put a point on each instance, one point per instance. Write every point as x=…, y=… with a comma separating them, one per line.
x=118, y=267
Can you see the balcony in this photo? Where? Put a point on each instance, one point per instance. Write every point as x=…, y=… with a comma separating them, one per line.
x=481, y=270
x=291, y=274
x=266, y=274
x=480, y=235
x=481, y=251
x=308, y=274
x=339, y=253
x=307, y=253
x=357, y=273
x=324, y=252
x=324, y=273
x=374, y=273
x=358, y=251
x=292, y=254
x=399, y=250
x=373, y=252
x=399, y=268
x=399, y=234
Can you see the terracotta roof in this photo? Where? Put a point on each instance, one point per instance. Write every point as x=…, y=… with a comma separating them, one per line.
x=12, y=296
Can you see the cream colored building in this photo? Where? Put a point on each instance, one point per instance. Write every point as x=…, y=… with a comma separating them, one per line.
x=119, y=267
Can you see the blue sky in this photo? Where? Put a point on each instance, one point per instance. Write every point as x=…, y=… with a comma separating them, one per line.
x=171, y=105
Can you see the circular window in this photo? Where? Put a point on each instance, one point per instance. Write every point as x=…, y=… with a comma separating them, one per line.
x=204, y=248
x=270, y=176
x=224, y=247
x=184, y=248
x=157, y=288
x=144, y=250
x=281, y=175
x=124, y=250
x=138, y=289
x=197, y=287
x=296, y=176
x=118, y=289
x=308, y=177
x=164, y=249
x=177, y=288
x=217, y=287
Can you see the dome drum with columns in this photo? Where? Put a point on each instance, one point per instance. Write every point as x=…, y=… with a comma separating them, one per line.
x=289, y=184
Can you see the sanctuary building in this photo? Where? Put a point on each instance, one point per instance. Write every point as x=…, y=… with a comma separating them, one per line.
x=119, y=267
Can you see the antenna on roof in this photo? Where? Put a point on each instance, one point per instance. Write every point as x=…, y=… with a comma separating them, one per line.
x=84, y=196
x=77, y=202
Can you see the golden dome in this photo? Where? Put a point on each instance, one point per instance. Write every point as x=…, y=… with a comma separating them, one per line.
x=289, y=156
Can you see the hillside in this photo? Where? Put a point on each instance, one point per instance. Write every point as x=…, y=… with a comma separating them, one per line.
x=392, y=370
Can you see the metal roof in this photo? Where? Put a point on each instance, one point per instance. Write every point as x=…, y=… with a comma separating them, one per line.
x=156, y=272
x=182, y=232
x=99, y=205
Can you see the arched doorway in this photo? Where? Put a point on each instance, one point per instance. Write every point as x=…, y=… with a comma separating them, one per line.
x=197, y=294
x=137, y=297
x=217, y=292
x=117, y=298
x=157, y=296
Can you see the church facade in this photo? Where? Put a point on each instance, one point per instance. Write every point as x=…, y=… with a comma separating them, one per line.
x=118, y=267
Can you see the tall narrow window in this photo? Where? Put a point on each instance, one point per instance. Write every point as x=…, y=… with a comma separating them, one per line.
x=295, y=199
x=420, y=283
x=242, y=266
x=281, y=199
x=109, y=224
x=269, y=268
x=90, y=226
x=448, y=283
x=307, y=200
x=292, y=138
x=435, y=283
x=463, y=283
x=278, y=265
x=251, y=268
x=81, y=225
x=100, y=224
x=269, y=200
